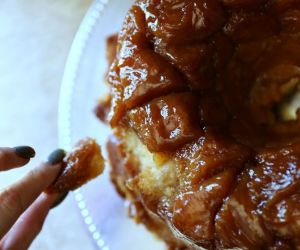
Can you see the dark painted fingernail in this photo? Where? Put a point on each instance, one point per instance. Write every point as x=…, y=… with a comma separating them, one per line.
x=56, y=156
x=25, y=152
x=61, y=197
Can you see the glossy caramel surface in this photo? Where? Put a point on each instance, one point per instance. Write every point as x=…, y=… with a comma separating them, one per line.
x=203, y=81
x=79, y=166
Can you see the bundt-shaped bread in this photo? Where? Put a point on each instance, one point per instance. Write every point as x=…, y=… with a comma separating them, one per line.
x=203, y=145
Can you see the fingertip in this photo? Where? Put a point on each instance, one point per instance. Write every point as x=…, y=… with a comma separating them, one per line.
x=59, y=199
x=14, y=157
x=46, y=200
x=52, y=200
x=56, y=156
x=25, y=152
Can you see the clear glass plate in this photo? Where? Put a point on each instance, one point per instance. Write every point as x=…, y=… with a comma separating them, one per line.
x=102, y=210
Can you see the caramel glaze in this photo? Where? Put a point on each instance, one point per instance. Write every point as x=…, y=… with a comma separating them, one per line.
x=79, y=166
x=202, y=81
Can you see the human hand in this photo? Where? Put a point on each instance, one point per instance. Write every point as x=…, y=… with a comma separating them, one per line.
x=23, y=205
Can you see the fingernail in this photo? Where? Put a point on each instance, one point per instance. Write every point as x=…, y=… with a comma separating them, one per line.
x=56, y=156
x=61, y=197
x=25, y=152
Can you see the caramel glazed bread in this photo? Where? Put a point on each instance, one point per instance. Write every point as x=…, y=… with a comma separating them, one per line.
x=202, y=145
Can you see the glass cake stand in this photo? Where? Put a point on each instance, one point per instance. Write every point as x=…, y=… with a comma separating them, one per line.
x=103, y=211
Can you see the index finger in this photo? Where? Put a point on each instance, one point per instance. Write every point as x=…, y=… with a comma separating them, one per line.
x=15, y=157
x=18, y=197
